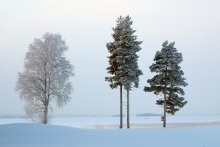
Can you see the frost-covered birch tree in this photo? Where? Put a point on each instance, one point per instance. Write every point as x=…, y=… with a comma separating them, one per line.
x=123, y=60
x=45, y=79
x=168, y=79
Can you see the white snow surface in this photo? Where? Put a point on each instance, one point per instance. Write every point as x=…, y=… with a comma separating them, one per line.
x=37, y=135
x=113, y=122
x=182, y=131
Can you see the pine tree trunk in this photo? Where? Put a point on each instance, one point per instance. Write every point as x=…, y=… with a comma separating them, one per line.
x=165, y=109
x=165, y=102
x=128, y=114
x=121, y=108
x=45, y=117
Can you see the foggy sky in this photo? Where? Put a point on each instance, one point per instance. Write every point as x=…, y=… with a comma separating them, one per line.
x=86, y=25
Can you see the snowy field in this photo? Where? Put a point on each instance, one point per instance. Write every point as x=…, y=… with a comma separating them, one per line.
x=113, y=122
x=182, y=131
x=35, y=135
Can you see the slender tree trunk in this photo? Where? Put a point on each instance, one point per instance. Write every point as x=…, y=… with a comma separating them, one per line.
x=128, y=114
x=121, y=108
x=45, y=117
x=165, y=109
x=165, y=102
x=45, y=104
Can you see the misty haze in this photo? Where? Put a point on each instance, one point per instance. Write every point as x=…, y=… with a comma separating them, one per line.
x=109, y=73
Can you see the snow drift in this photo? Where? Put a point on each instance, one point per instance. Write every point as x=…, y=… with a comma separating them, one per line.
x=36, y=135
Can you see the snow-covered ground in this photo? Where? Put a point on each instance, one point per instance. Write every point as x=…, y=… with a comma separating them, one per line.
x=36, y=135
x=136, y=122
x=182, y=131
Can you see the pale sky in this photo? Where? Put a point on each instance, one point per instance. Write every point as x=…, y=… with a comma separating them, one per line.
x=86, y=26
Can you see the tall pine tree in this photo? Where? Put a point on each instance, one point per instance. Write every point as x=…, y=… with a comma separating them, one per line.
x=131, y=69
x=168, y=79
x=115, y=49
x=123, y=60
